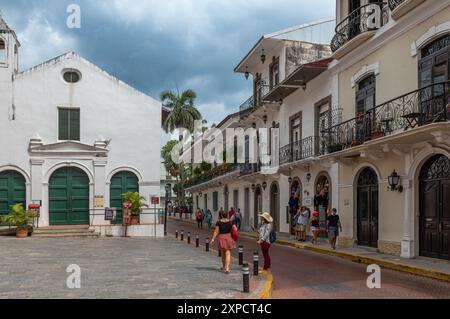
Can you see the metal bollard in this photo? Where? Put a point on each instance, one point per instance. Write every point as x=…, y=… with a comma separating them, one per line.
x=241, y=255
x=246, y=277
x=182, y=235
x=197, y=241
x=189, y=238
x=207, y=244
x=255, y=263
x=176, y=234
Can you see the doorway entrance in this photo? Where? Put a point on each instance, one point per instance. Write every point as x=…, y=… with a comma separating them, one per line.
x=367, y=208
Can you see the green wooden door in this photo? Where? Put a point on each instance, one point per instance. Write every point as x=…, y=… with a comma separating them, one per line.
x=121, y=183
x=69, y=197
x=12, y=191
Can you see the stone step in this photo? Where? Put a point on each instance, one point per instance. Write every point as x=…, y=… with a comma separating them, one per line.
x=63, y=231
x=67, y=235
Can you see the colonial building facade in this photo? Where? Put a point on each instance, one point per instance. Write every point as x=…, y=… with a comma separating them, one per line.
x=73, y=138
x=364, y=129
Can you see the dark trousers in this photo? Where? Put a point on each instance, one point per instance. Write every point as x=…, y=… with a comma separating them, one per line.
x=265, y=246
x=200, y=224
x=238, y=224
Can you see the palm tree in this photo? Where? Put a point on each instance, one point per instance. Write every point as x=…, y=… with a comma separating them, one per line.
x=182, y=111
x=182, y=115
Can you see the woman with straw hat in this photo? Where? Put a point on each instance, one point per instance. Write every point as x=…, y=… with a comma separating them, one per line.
x=264, y=237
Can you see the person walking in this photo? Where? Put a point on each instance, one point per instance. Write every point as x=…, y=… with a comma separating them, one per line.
x=303, y=223
x=264, y=238
x=315, y=226
x=295, y=222
x=226, y=243
x=333, y=226
x=238, y=219
x=209, y=218
x=200, y=219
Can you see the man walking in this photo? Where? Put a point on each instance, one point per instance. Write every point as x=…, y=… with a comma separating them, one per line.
x=333, y=226
x=237, y=219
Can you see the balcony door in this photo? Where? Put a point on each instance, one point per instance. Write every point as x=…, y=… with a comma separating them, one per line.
x=296, y=137
x=365, y=102
x=433, y=71
x=354, y=16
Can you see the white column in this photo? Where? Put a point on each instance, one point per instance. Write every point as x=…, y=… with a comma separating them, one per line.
x=408, y=222
x=36, y=189
x=99, y=190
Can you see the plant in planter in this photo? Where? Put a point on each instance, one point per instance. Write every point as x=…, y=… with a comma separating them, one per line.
x=137, y=204
x=20, y=218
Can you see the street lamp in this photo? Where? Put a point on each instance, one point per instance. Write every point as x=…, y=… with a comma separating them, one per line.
x=168, y=195
x=394, y=180
x=264, y=185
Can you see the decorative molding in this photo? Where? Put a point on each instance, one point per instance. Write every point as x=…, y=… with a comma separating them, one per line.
x=37, y=162
x=365, y=70
x=432, y=33
x=149, y=183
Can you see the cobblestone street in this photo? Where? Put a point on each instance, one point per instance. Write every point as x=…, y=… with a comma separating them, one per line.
x=113, y=268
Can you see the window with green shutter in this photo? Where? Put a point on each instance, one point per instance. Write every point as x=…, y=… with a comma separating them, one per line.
x=69, y=124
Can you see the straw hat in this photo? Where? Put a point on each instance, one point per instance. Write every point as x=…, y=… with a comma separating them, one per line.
x=267, y=217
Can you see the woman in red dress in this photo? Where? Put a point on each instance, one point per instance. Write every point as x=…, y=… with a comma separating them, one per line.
x=223, y=230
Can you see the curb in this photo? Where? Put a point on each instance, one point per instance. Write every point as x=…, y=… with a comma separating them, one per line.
x=398, y=266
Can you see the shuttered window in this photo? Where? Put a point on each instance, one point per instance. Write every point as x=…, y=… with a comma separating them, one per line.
x=69, y=124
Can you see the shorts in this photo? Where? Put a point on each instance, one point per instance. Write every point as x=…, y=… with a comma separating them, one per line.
x=313, y=229
x=300, y=228
x=333, y=231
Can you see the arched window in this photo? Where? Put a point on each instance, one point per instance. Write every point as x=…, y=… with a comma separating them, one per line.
x=2, y=51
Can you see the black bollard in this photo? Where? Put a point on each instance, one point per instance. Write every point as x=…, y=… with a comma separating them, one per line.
x=255, y=263
x=207, y=244
x=176, y=234
x=182, y=235
x=197, y=241
x=189, y=238
x=241, y=255
x=246, y=277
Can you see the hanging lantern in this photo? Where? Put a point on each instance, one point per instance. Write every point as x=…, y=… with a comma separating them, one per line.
x=263, y=57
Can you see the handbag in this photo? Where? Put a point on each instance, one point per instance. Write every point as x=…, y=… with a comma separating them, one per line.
x=234, y=233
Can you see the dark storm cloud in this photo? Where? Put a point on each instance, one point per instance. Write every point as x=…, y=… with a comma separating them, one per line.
x=162, y=44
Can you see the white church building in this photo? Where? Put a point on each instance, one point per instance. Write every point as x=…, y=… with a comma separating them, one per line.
x=73, y=138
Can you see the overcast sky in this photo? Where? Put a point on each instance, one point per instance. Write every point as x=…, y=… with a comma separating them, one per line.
x=162, y=44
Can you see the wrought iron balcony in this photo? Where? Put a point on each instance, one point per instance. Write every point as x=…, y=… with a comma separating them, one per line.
x=421, y=107
x=249, y=169
x=297, y=151
x=216, y=172
x=358, y=22
x=247, y=105
x=393, y=4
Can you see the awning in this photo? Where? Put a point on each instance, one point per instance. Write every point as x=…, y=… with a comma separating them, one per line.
x=301, y=76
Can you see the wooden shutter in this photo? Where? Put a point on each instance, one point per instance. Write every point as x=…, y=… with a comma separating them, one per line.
x=74, y=128
x=63, y=129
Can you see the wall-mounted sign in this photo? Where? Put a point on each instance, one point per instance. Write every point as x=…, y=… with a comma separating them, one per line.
x=346, y=202
x=155, y=200
x=99, y=201
x=110, y=214
x=307, y=201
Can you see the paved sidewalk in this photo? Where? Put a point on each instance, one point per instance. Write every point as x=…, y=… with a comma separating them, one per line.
x=426, y=267
x=113, y=268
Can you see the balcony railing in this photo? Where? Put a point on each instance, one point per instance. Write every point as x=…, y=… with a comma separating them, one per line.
x=422, y=107
x=218, y=171
x=249, y=169
x=247, y=105
x=359, y=21
x=297, y=151
x=393, y=4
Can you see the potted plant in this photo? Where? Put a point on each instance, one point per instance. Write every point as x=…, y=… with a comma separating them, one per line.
x=20, y=218
x=137, y=204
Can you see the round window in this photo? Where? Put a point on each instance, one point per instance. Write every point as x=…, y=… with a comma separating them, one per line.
x=71, y=76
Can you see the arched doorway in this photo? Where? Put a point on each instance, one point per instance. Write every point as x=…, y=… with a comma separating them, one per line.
x=295, y=200
x=257, y=206
x=367, y=208
x=322, y=200
x=69, y=197
x=122, y=182
x=12, y=191
x=275, y=205
x=435, y=208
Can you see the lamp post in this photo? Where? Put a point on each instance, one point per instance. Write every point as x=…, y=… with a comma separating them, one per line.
x=168, y=196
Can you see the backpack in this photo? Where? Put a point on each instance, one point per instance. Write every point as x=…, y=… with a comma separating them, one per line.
x=273, y=236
